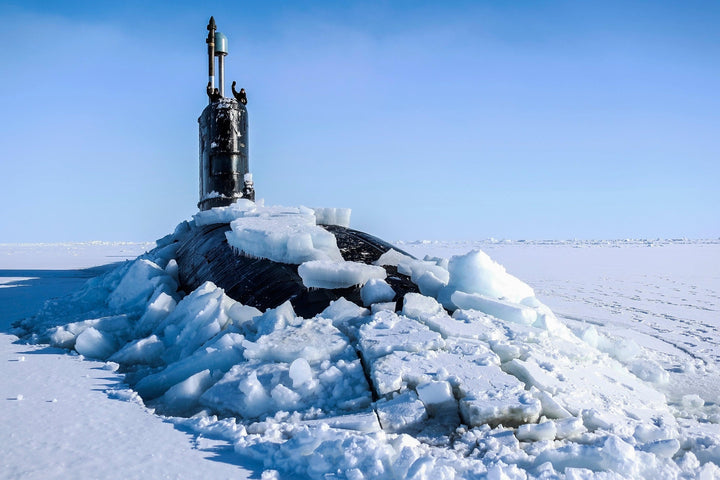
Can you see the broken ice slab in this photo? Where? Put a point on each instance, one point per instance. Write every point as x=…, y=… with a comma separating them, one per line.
x=486, y=394
x=463, y=323
x=509, y=311
x=389, y=332
x=403, y=413
x=338, y=273
x=365, y=422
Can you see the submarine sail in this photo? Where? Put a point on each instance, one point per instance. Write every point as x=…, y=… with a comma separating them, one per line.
x=204, y=253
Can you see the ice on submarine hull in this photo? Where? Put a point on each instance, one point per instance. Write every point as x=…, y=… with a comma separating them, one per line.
x=204, y=253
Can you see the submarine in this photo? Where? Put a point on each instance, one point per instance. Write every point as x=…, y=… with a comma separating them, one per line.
x=204, y=254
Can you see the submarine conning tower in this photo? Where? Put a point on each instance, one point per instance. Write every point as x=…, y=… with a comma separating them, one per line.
x=224, y=163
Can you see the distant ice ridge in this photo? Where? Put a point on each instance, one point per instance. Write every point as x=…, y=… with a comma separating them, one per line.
x=474, y=377
x=640, y=242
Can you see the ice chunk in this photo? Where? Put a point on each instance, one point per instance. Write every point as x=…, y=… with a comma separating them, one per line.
x=224, y=214
x=569, y=427
x=333, y=216
x=338, y=274
x=486, y=393
x=341, y=311
x=392, y=258
x=550, y=408
x=429, y=312
x=650, y=371
x=218, y=355
x=346, y=316
x=382, y=307
x=313, y=341
x=645, y=433
x=376, y=291
x=505, y=404
x=365, y=422
x=111, y=332
x=172, y=269
x=255, y=389
x=662, y=448
x=285, y=235
x=274, y=319
x=401, y=414
x=607, y=456
x=437, y=396
x=243, y=314
x=182, y=397
x=421, y=307
x=468, y=324
x=388, y=332
x=285, y=398
x=429, y=276
x=135, y=289
x=476, y=272
x=300, y=372
x=428, y=283
x=255, y=397
x=512, y=312
x=95, y=344
x=536, y=432
x=157, y=310
x=144, y=351
x=195, y=320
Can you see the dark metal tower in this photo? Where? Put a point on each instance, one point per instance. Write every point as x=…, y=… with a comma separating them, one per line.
x=224, y=165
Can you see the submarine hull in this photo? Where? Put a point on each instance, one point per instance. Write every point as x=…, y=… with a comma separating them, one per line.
x=205, y=255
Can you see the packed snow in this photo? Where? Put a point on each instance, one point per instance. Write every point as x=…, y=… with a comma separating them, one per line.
x=473, y=377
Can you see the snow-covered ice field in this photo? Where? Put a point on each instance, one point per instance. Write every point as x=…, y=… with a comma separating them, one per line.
x=632, y=389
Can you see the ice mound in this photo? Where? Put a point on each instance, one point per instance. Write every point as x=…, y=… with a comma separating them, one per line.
x=376, y=290
x=473, y=378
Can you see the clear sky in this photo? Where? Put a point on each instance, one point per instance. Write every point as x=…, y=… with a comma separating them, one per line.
x=431, y=120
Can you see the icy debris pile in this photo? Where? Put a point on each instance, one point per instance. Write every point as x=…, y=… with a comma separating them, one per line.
x=498, y=388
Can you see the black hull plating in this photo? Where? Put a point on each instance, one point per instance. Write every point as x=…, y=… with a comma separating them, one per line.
x=204, y=255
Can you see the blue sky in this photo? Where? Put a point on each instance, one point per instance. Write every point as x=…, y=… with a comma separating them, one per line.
x=431, y=120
